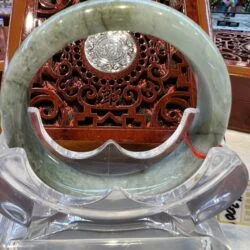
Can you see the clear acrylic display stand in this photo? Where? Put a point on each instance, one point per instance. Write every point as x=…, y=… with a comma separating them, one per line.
x=112, y=198
x=35, y=216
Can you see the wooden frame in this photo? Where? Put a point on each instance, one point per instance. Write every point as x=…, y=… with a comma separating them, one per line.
x=22, y=23
x=3, y=40
x=15, y=29
x=20, y=13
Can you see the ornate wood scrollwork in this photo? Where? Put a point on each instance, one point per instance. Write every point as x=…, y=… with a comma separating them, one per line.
x=234, y=46
x=50, y=7
x=150, y=94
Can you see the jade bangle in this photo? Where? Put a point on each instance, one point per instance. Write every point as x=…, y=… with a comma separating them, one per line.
x=82, y=20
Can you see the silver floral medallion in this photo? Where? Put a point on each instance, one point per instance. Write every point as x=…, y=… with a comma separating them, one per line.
x=110, y=52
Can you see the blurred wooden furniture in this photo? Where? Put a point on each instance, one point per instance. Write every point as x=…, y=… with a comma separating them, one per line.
x=235, y=48
x=234, y=45
x=240, y=116
x=5, y=11
x=81, y=107
x=3, y=45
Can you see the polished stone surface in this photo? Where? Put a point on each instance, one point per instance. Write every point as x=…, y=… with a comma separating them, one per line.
x=80, y=21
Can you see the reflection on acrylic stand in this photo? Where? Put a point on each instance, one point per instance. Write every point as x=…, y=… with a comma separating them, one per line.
x=35, y=212
x=112, y=197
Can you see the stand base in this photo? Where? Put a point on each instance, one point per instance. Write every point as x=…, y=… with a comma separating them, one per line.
x=205, y=236
x=191, y=243
x=147, y=239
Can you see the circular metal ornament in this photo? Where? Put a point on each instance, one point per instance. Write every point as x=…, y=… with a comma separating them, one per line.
x=110, y=52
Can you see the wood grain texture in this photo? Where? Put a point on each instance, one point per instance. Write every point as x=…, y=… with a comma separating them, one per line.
x=240, y=116
x=15, y=28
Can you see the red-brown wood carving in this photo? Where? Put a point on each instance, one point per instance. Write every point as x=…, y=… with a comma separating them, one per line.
x=152, y=93
x=234, y=46
x=48, y=8
x=143, y=103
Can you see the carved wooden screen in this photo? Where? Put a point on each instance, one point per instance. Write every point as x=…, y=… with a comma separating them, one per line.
x=234, y=47
x=233, y=42
x=143, y=103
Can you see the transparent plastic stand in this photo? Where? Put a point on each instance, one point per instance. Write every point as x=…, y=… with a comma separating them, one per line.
x=112, y=198
x=135, y=239
x=35, y=216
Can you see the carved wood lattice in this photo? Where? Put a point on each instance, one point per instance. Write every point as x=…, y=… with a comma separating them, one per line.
x=152, y=93
x=234, y=46
x=47, y=8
